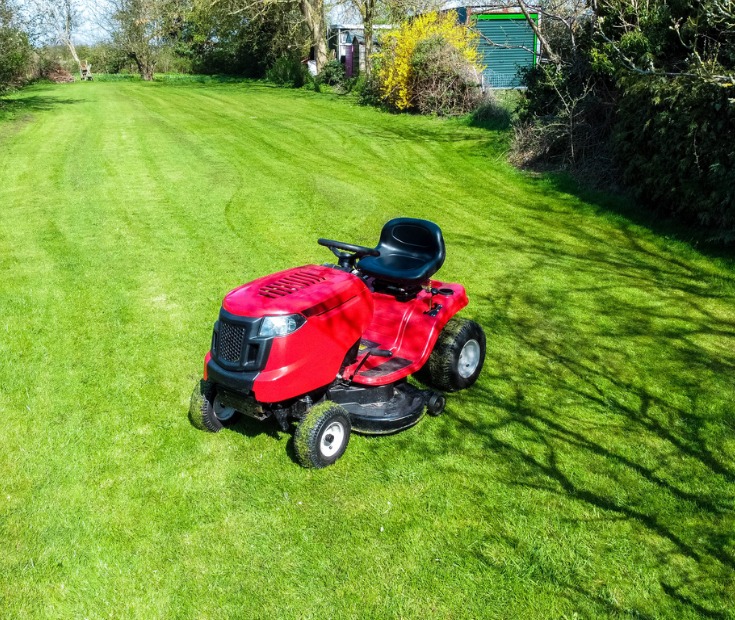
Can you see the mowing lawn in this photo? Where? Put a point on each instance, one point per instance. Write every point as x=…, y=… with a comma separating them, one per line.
x=589, y=473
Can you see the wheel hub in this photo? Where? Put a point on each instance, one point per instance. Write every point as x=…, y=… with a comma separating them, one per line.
x=332, y=439
x=222, y=412
x=469, y=358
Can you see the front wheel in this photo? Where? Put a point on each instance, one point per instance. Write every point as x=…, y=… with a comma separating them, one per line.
x=207, y=413
x=322, y=436
x=457, y=358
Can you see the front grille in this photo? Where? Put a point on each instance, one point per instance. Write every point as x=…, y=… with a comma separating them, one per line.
x=229, y=342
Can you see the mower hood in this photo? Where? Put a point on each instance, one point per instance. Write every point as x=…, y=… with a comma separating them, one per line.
x=307, y=290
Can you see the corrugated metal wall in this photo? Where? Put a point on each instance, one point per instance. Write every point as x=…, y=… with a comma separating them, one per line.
x=501, y=64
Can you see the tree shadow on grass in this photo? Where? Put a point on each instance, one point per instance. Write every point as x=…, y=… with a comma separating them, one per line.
x=12, y=108
x=608, y=387
x=707, y=241
x=549, y=457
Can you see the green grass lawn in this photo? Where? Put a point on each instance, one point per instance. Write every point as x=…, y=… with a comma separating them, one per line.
x=589, y=473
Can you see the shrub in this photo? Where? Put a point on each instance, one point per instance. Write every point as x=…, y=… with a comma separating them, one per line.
x=490, y=114
x=441, y=81
x=641, y=96
x=429, y=64
x=288, y=71
x=15, y=51
x=333, y=74
x=359, y=83
x=673, y=138
x=568, y=105
x=368, y=91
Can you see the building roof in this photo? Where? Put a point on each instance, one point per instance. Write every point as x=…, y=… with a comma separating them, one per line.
x=345, y=17
x=499, y=6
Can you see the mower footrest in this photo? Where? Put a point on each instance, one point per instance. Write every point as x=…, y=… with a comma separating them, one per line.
x=386, y=368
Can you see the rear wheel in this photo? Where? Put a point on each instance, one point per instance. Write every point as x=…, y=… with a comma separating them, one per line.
x=457, y=358
x=322, y=436
x=208, y=413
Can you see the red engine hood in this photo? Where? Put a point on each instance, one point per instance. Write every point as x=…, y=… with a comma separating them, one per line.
x=307, y=290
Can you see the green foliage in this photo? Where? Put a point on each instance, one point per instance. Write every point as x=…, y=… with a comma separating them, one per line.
x=644, y=87
x=669, y=131
x=671, y=137
x=15, y=50
x=333, y=74
x=368, y=89
x=588, y=473
x=491, y=114
x=170, y=60
x=105, y=58
x=429, y=64
x=288, y=71
x=223, y=42
x=359, y=83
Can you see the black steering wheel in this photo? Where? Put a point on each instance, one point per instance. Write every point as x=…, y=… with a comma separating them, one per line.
x=350, y=252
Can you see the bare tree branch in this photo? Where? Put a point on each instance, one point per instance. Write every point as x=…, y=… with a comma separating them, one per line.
x=54, y=21
x=553, y=56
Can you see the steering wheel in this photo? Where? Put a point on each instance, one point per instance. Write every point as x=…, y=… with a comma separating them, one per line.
x=347, y=260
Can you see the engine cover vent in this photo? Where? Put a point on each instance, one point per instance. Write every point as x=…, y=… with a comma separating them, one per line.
x=290, y=284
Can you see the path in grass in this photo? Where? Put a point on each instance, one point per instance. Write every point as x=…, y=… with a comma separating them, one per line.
x=589, y=474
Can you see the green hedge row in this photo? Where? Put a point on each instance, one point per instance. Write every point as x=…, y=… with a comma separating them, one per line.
x=675, y=143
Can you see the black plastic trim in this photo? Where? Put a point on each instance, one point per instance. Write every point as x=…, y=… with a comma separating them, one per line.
x=238, y=380
x=343, y=394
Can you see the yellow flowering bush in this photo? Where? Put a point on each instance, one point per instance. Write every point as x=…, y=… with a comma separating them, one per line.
x=401, y=65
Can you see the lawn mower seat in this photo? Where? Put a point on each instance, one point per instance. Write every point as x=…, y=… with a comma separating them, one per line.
x=411, y=251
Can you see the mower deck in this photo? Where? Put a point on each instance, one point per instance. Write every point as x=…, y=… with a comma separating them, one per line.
x=381, y=410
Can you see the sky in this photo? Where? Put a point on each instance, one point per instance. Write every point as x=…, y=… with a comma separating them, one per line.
x=87, y=32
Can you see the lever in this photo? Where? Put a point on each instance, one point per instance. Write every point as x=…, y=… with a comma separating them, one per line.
x=368, y=353
x=379, y=353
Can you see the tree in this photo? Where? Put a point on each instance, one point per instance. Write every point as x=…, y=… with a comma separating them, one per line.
x=220, y=39
x=141, y=27
x=312, y=13
x=387, y=11
x=368, y=10
x=54, y=21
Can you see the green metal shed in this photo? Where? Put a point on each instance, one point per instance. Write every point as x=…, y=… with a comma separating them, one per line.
x=507, y=43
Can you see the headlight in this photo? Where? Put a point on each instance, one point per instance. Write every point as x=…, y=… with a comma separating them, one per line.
x=280, y=325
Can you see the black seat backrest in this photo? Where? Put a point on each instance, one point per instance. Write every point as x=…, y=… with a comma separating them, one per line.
x=411, y=251
x=407, y=235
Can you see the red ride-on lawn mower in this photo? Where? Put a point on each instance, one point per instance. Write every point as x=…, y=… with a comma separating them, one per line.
x=332, y=346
